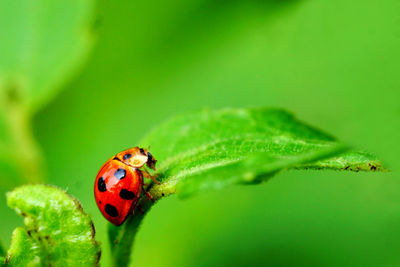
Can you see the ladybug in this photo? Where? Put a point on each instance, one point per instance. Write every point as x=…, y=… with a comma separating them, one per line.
x=119, y=183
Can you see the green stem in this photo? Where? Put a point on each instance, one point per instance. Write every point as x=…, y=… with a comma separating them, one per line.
x=2, y=251
x=122, y=238
x=27, y=151
x=23, y=148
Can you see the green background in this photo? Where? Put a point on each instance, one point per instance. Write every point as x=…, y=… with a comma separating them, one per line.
x=335, y=64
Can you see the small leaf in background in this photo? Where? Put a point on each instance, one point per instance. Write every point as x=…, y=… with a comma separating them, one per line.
x=58, y=232
x=43, y=43
x=214, y=149
x=210, y=150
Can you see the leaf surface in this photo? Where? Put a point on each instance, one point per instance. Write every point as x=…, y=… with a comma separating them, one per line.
x=213, y=149
x=42, y=42
x=57, y=233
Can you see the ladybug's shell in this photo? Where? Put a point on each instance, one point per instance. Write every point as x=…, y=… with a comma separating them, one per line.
x=117, y=189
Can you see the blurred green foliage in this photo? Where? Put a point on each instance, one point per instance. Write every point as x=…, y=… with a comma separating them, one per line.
x=2, y=251
x=43, y=42
x=24, y=250
x=333, y=63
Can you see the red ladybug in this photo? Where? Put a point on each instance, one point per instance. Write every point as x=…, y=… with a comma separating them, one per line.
x=119, y=183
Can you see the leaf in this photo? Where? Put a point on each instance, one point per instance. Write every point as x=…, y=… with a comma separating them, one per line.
x=43, y=42
x=253, y=170
x=58, y=232
x=25, y=250
x=352, y=161
x=214, y=149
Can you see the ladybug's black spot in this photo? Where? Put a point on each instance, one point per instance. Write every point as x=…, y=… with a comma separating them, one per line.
x=142, y=151
x=100, y=202
x=101, y=185
x=127, y=156
x=120, y=173
x=126, y=194
x=111, y=210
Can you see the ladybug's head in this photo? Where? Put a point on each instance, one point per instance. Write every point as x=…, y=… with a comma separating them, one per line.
x=151, y=161
x=137, y=157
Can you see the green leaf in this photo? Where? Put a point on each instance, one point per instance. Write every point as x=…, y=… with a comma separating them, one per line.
x=351, y=161
x=25, y=250
x=214, y=149
x=43, y=43
x=255, y=169
x=58, y=232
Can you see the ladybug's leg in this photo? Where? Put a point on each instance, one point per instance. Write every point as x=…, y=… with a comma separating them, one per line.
x=146, y=174
x=148, y=194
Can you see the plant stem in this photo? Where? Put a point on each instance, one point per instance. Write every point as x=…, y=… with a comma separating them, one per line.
x=122, y=238
x=22, y=149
